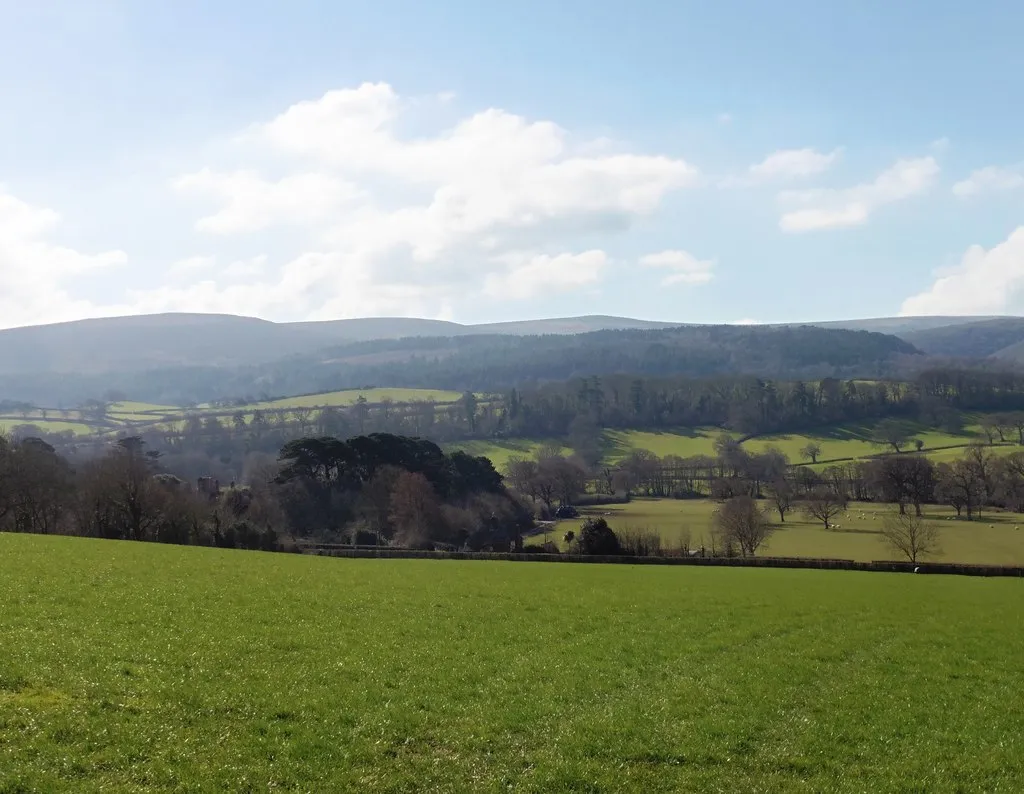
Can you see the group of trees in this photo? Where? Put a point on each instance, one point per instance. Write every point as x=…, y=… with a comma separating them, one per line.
x=386, y=489
x=378, y=489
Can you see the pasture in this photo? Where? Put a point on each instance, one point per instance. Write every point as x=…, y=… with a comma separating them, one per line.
x=136, y=667
x=350, y=397
x=993, y=539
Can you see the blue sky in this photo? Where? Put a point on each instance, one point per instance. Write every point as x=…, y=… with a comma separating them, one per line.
x=699, y=162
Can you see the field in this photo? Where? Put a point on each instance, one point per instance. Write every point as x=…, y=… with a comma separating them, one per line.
x=994, y=539
x=351, y=396
x=500, y=451
x=123, y=415
x=135, y=667
x=842, y=443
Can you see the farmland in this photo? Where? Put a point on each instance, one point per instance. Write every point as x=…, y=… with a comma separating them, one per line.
x=157, y=668
x=996, y=538
x=131, y=415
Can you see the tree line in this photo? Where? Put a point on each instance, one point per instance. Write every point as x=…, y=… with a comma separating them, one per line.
x=378, y=489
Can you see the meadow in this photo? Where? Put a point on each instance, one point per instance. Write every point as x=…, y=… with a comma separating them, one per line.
x=125, y=415
x=140, y=667
x=996, y=538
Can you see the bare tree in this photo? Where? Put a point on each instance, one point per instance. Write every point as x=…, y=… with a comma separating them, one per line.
x=959, y=485
x=521, y=473
x=910, y=535
x=824, y=504
x=415, y=509
x=892, y=433
x=303, y=415
x=811, y=452
x=783, y=494
x=740, y=523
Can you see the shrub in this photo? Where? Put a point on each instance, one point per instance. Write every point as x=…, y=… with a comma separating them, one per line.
x=597, y=538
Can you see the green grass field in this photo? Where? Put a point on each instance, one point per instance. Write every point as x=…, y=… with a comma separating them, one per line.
x=994, y=539
x=500, y=451
x=135, y=667
x=700, y=441
x=351, y=396
x=48, y=425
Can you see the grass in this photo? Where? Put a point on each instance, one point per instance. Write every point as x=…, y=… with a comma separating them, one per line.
x=134, y=667
x=351, y=396
x=699, y=441
x=500, y=451
x=993, y=539
x=47, y=425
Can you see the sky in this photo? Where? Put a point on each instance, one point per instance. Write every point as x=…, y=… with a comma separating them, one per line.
x=482, y=162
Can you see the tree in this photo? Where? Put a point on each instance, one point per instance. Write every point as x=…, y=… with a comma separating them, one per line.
x=741, y=523
x=522, y=475
x=959, y=485
x=892, y=433
x=910, y=535
x=415, y=510
x=469, y=404
x=824, y=504
x=811, y=452
x=303, y=416
x=374, y=504
x=597, y=538
x=783, y=494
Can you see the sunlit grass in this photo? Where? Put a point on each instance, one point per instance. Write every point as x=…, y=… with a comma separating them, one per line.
x=132, y=667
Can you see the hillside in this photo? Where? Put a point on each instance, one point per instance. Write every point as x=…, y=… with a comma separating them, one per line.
x=122, y=344
x=127, y=344
x=474, y=362
x=1001, y=338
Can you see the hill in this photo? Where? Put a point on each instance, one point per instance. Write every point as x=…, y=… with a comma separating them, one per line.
x=473, y=362
x=145, y=342
x=1001, y=338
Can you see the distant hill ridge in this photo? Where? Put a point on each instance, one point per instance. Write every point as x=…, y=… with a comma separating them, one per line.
x=181, y=358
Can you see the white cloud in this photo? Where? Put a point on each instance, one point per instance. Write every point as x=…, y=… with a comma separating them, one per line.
x=683, y=267
x=415, y=224
x=35, y=270
x=793, y=164
x=252, y=203
x=985, y=282
x=840, y=208
x=531, y=275
x=990, y=180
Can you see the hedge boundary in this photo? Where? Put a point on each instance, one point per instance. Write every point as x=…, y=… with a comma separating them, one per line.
x=877, y=566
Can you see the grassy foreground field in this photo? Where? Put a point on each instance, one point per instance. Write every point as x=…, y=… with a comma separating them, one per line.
x=993, y=539
x=133, y=667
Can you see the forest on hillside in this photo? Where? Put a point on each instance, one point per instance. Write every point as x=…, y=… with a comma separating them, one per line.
x=490, y=363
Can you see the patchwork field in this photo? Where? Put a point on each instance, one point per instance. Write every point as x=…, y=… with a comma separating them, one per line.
x=133, y=667
x=351, y=396
x=994, y=539
x=123, y=415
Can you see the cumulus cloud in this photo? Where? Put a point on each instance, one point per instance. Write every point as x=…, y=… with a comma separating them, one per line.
x=991, y=179
x=793, y=164
x=35, y=270
x=530, y=275
x=985, y=282
x=397, y=223
x=682, y=267
x=251, y=202
x=810, y=210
